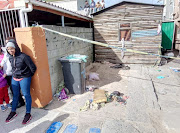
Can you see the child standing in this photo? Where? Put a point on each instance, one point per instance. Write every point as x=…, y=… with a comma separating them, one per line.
x=7, y=68
x=3, y=88
x=98, y=6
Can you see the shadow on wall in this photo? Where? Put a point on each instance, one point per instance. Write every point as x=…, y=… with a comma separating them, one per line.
x=104, y=53
x=60, y=46
x=105, y=57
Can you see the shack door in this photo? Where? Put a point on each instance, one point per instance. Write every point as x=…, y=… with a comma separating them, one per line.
x=167, y=35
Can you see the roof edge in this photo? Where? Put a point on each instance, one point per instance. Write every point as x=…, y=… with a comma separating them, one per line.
x=57, y=8
x=124, y=2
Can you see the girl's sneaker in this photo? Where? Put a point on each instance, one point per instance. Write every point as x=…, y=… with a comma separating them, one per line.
x=27, y=118
x=8, y=106
x=3, y=108
x=11, y=116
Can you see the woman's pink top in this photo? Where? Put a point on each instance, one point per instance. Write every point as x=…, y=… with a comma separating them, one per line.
x=17, y=79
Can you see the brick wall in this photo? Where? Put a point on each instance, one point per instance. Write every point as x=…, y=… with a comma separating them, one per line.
x=59, y=46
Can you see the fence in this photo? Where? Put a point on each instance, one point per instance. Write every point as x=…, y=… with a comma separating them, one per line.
x=9, y=19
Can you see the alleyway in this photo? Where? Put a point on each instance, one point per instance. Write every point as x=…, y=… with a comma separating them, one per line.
x=153, y=105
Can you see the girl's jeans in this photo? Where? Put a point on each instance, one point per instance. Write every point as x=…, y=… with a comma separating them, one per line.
x=25, y=88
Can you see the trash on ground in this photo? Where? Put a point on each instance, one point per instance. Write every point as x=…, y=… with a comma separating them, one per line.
x=99, y=96
x=95, y=106
x=159, y=70
x=56, y=95
x=70, y=129
x=54, y=127
x=116, y=93
x=118, y=97
x=170, y=54
x=95, y=130
x=122, y=100
x=91, y=105
x=78, y=56
x=160, y=77
x=102, y=104
x=175, y=69
x=162, y=92
x=86, y=106
x=66, y=90
x=63, y=95
x=163, y=61
x=126, y=68
x=91, y=88
x=93, y=76
x=60, y=87
x=117, y=66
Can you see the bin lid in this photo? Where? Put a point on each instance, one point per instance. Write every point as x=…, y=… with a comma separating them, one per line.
x=77, y=58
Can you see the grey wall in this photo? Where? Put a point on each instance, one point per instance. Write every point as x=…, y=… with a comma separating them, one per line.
x=168, y=10
x=59, y=46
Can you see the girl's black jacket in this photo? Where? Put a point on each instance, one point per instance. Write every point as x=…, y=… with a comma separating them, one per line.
x=22, y=65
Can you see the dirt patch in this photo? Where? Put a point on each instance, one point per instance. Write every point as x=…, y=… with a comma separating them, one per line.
x=107, y=75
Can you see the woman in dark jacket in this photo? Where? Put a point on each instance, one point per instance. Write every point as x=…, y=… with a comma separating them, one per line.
x=23, y=69
x=8, y=70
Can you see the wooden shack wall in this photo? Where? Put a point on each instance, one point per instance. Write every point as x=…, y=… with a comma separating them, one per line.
x=144, y=20
x=177, y=39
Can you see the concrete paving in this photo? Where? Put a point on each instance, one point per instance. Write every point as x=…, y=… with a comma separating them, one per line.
x=153, y=105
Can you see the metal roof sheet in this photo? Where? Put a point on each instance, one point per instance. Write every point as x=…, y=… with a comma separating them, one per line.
x=58, y=8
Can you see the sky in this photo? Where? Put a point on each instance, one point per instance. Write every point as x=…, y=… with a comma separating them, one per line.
x=112, y=2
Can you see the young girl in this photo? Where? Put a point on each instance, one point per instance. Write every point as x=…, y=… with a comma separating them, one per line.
x=23, y=69
x=3, y=87
x=7, y=68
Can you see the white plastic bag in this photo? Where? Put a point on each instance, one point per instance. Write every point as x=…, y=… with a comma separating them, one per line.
x=159, y=29
x=93, y=76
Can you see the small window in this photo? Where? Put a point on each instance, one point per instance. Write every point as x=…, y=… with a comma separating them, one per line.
x=125, y=32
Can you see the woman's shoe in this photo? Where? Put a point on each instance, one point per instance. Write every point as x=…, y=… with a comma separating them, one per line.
x=3, y=108
x=27, y=118
x=11, y=116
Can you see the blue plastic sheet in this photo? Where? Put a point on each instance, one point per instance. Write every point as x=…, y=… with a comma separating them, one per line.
x=95, y=130
x=70, y=129
x=160, y=77
x=54, y=128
